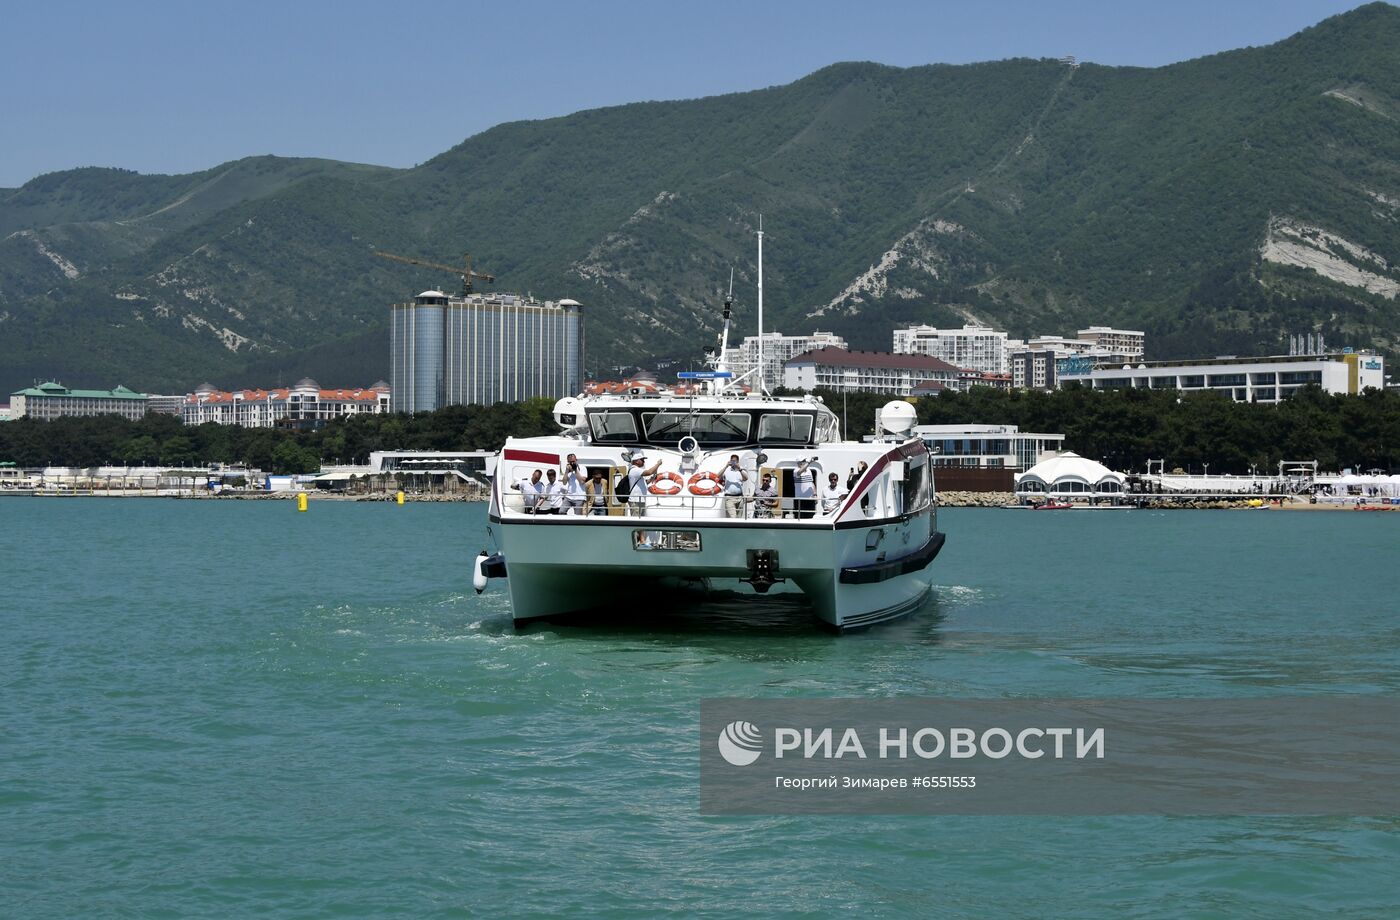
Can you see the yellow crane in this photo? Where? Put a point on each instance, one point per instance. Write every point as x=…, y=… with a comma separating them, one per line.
x=463, y=271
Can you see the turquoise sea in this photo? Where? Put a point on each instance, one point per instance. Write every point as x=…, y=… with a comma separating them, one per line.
x=229, y=709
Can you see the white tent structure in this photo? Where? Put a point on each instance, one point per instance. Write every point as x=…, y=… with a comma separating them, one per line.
x=1069, y=476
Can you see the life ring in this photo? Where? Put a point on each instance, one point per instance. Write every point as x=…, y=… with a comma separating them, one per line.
x=677, y=484
x=698, y=487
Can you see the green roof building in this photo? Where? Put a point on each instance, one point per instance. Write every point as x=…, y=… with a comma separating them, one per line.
x=48, y=401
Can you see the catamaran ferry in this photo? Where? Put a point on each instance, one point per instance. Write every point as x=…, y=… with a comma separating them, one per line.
x=708, y=484
x=721, y=490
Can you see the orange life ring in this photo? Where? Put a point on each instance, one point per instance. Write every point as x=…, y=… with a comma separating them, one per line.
x=655, y=488
x=698, y=487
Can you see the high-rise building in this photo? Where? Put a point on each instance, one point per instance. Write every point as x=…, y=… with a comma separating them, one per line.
x=778, y=349
x=978, y=348
x=482, y=349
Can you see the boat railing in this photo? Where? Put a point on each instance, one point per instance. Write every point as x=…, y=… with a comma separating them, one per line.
x=677, y=507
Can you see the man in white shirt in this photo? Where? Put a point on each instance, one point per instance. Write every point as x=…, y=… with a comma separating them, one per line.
x=575, y=477
x=832, y=494
x=555, y=493
x=804, y=489
x=637, y=476
x=530, y=490
x=733, y=479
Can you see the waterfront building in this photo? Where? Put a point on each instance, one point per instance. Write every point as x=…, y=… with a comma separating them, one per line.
x=1069, y=476
x=778, y=349
x=979, y=348
x=1265, y=380
x=867, y=371
x=1130, y=343
x=988, y=446
x=467, y=465
x=52, y=400
x=478, y=349
x=303, y=405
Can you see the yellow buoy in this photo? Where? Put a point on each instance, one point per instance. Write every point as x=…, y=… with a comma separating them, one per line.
x=301, y=501
x=400, y=496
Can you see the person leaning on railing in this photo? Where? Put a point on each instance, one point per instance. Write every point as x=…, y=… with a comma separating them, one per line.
x=597, y=492
x=765, y=497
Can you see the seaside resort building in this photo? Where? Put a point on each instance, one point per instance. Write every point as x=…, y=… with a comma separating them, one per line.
x=304, y=405
x=1265, y=380
x=53, y=400
x=869, y=372
x=778, y=349
x=479, y=349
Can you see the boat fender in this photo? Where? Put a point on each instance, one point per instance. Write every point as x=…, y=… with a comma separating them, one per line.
x=705, y=484
x=479, y=573
x=666, y=484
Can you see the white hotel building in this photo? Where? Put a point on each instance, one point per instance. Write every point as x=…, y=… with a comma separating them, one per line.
x=778, y=349
x=304, y=405
x=978, y=348
x=1130, y=343
x=1265, y=380
x=869, y=372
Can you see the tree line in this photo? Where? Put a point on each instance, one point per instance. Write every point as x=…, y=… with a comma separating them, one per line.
x=1121, y=428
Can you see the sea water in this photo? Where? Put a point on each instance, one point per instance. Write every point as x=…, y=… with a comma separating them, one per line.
x=223, y=708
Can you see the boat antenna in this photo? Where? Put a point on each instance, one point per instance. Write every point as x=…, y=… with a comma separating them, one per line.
x=762, y=371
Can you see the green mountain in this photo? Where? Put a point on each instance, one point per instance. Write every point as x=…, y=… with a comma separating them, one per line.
x=1220, y=203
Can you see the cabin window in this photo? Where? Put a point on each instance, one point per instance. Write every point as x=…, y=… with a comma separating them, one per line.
x=613, y=426
x=784, y=426
x=705, y=427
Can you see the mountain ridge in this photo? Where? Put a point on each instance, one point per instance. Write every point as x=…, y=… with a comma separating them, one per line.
x=1219, y=203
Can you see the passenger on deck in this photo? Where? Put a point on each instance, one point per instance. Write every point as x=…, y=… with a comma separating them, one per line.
x=530, y=490
x=637, y=482
x=734, y=478
x=804, y=490
x=597, y=491
x=765, y=497
x=555, y=493
x=832, y=494
x=575, y=476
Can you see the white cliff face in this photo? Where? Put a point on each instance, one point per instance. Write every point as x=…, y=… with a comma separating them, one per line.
x=918, y=249
x=70, y=271
x=1292, y=242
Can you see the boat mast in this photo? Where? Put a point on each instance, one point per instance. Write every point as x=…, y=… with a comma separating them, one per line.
x=762, y=387
x=717, y=386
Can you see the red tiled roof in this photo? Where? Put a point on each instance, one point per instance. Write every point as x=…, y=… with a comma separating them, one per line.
x=840, y=357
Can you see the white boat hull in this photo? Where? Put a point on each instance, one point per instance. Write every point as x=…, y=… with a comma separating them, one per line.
x=852, y=575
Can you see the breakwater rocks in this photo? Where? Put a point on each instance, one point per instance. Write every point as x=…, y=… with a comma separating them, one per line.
x=953, y=499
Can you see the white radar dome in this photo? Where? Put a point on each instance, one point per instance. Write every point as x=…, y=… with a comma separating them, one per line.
x=568, y=412
x=897, y=416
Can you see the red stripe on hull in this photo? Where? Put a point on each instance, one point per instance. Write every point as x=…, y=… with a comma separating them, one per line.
x=532, y=456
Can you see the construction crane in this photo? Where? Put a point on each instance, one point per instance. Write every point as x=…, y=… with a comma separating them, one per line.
x=464, y=271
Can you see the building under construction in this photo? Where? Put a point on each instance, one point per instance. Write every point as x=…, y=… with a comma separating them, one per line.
x=474, y=348
x=478, y=349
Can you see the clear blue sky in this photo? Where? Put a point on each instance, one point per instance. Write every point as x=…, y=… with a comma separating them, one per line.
x=177, y=87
